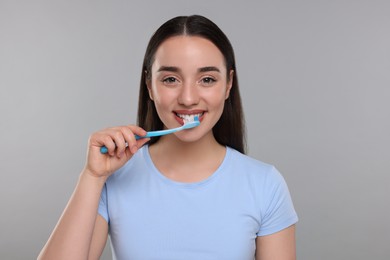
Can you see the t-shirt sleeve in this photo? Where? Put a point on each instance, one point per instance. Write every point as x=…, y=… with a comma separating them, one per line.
x=103, y=204
x=277, y=213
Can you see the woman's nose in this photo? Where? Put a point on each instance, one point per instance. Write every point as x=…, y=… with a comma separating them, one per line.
x=189, y=94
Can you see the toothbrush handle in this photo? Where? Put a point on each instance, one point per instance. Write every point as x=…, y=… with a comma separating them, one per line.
x=104, y=149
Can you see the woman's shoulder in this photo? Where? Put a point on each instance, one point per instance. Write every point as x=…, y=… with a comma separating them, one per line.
x=248, y=161
x=252, y=167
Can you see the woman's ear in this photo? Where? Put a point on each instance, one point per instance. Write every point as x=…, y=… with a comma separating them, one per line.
x=148, y=84
x=229, y=84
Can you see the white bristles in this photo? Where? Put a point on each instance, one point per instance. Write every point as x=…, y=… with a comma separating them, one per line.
x=188, y=118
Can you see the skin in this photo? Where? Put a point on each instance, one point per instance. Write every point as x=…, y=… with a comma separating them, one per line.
x=188, y=76
x=277, y=246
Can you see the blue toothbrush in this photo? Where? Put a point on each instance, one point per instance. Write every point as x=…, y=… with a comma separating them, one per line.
x=187, y=125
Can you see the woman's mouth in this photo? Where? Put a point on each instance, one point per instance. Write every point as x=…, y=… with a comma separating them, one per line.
x=189, y=117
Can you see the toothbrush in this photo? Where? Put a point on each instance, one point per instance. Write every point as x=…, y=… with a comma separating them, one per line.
x=188, y=124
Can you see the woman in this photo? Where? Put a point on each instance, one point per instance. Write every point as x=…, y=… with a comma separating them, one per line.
x=188, y=195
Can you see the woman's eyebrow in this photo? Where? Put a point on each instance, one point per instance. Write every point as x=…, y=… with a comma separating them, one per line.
x=176, y=69
x=209, y=68
x=168, y=68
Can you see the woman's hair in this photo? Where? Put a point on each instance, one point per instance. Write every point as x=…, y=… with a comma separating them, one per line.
x=230, y=129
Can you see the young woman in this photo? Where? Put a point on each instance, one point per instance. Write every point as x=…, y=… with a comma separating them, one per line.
x=193, y=194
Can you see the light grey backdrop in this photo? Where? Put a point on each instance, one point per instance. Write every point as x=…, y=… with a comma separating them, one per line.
x=315, y=82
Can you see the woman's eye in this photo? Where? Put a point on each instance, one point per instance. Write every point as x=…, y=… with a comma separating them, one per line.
x=208, y=80
x=169, y=80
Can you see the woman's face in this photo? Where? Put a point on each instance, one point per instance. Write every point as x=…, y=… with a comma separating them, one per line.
x=189, y=78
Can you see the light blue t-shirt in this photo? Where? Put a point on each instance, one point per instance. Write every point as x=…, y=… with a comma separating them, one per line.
x=154, y=218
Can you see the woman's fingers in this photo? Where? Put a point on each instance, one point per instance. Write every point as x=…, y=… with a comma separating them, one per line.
x=118, y=139
x=108, y=140
x=120, y=143
x=129, y=133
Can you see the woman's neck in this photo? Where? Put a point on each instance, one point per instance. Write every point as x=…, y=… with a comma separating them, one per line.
x=187, y=161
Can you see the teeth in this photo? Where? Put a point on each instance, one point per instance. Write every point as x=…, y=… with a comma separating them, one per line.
x=188, y=118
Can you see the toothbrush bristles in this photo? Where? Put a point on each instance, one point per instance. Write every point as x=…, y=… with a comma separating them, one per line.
x=190, y=119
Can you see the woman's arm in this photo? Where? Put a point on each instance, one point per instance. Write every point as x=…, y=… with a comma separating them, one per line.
x=81, y=233
x=71, y=238
x=280, y=245
x=99, y=238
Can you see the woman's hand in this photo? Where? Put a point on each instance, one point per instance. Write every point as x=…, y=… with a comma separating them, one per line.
x=115, y=139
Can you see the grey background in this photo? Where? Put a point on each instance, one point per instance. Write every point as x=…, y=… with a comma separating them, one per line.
x=315, y=82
